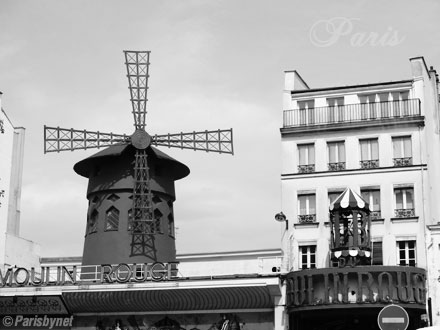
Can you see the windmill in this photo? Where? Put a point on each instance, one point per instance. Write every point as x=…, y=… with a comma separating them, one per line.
x=143, y=158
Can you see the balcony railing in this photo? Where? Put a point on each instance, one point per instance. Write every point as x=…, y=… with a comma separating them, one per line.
x=371, y=163
x=404, y=213
x=306, y=168
x=351, y=113
x=374, y=215
x=307, y=218
x=336, y=166
x=405, y=161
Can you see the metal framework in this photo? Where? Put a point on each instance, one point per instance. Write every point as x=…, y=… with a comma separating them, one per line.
x=143, y=224
x=58, y=139
x=138, y=63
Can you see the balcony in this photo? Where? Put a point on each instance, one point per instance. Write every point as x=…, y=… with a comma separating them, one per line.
x=371, y=163
x=375, y=215
x=406, y=161
x=307, y=218
x=404, y=213
x=306, y=168
x=336, y=166
x=352, y=113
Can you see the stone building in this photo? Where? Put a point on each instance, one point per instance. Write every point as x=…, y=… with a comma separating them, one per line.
x=14, y=249
x=381, y=141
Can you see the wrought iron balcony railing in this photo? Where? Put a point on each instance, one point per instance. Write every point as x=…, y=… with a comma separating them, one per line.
x=307, y=218
x=375, y=215
x=306, y=168
x=404, y=213
x=371, y=163
x=336, y=166
x=405, y=161
x=351, y=113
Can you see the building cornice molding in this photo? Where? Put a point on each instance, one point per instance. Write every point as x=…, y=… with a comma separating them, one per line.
x=357, y=89
x=355, y=171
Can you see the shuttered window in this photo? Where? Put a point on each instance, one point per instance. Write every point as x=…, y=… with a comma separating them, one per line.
x=377, y=256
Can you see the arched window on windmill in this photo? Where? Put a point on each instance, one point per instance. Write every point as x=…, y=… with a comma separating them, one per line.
x=350, y=230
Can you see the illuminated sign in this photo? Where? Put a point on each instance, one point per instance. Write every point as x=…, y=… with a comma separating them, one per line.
x=106, y=273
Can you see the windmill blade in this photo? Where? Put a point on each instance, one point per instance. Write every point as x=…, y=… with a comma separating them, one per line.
x=138, y=63
x=60, y=139
x=210, y=141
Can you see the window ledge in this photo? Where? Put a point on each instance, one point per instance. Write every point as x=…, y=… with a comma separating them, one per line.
x=378, y=220
x=409, y=219
x=306, y=225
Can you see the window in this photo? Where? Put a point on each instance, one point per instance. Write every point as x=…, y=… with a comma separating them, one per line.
x=332, y=195
x=368, y=106
x=400, y=103
x=130, y=219
x=384, y=105
x=404, y=198
x=406, y=253
x=93, y=222
x=336, y=156
x=171, y=225
x=306, y=112
x=402, y=151
x=336, y=109
x=372, y=197
x=306, y=208
x=376, y=255
x=112, y=219
x=369, y=153
x=306, y=157
x=156, y=225
x=307, y=256
x=170, y=219
x=404, y=103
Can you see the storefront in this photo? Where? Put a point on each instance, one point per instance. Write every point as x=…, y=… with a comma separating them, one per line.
x=150, y=296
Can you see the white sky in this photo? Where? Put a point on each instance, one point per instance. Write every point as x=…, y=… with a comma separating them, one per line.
x=214, y=64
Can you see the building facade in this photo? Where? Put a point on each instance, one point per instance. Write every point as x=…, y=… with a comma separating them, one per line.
x=222, y=290
x=381, y=140
x=13, y=248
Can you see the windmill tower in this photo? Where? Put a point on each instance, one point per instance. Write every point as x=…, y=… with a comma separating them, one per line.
x=131, y=183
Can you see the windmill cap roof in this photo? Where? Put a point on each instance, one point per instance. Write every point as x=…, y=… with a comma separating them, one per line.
x=174, y=167
x=349, y=199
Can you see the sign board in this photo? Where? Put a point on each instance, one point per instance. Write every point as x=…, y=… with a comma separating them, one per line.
x=393, y=317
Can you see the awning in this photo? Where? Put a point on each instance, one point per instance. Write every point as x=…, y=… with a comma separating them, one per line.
x=219, y=298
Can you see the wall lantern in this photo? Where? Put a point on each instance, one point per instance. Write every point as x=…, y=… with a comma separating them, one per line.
x=280, y=217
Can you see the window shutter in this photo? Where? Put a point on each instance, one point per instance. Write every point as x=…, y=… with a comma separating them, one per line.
x=377, y=253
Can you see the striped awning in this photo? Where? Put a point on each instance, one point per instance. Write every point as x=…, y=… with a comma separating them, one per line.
x=349, y=199
x=106, y=301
